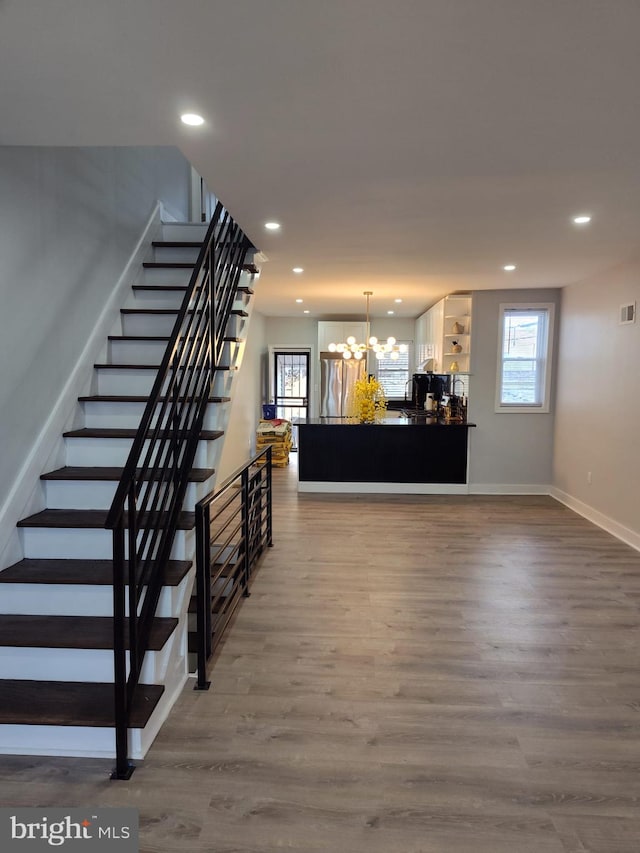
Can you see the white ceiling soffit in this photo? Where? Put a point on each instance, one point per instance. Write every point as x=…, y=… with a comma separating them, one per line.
x=408, y=147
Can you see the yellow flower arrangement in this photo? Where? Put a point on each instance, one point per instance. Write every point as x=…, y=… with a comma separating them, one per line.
x=368, y=403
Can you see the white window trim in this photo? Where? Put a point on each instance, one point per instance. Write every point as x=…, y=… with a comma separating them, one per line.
x=378, y=364
x=545, y=406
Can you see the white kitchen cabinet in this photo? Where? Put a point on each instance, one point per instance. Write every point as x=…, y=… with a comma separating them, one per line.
x=445, y=326
x=336, y=332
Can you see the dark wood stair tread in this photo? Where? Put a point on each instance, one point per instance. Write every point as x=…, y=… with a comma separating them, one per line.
x=137, y=398
x=248, y=290
x=88, y=519
x=233, y=340
x=176, y=244
x=77, y=472
x=104, y=432
x=169, y=265
x=149, y=310
x=70, y=703
x=84, y=572
x=236, y=311
x=139, y=338
x=157, y=287
x=108, y=365
x=72, y=632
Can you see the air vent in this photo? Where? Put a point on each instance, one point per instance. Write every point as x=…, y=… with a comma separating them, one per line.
x=628, y=313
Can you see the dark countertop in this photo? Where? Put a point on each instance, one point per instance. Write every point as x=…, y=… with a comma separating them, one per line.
x=420, y=420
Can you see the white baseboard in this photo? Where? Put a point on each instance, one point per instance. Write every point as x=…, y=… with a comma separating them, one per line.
x=509, y=489
x=383, y=488
x=625, y=534
x=25, y=495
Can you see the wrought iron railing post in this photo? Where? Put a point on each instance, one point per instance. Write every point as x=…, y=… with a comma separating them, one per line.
x=123, y=768
x=244, y=497
x=149, y=498
x=203, y=593
x=212, y=260
x=269, y=496
x=132, y=538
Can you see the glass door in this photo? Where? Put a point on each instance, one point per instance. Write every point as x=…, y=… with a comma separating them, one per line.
x=291, y=387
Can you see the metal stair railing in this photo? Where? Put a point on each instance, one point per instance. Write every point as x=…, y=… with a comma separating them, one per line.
x=147, y=506
x=233, y=527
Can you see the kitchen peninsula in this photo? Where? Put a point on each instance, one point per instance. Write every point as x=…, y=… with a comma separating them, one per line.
x=406, y=455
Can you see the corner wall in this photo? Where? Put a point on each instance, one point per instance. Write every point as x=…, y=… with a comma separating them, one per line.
x=598, y=411
x=509, y=452
x=70, y=219
x=247, y=398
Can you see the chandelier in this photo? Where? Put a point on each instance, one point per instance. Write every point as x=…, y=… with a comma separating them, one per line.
x=352, y=349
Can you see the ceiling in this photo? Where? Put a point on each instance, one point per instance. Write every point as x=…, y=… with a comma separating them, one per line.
x=407, y=147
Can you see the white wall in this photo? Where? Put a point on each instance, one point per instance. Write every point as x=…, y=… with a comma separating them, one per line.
x=249, y=389
x=69, y=219
x=506, y=449
x=597, y=426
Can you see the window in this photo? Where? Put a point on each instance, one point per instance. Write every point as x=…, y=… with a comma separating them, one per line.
x=394, y=375
x=524, y=358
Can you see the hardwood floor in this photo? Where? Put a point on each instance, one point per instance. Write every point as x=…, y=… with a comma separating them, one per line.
x=410, y=674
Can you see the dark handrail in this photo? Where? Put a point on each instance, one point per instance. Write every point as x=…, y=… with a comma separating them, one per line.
x=245, y=529
x=147, y=507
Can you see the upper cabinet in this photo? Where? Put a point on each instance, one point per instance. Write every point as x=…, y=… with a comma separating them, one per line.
x=443, y=333
x=330, y=332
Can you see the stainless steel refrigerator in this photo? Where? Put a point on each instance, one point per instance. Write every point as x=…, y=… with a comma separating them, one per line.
x=337, y=379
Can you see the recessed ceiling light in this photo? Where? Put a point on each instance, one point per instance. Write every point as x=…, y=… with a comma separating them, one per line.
x=306, y=311
x=272, y=226
x=299, y=300
x=582, y=219
x=509, y=267
x=391, y=312
x=192, y=119
x=297, y=270
x=397, y=300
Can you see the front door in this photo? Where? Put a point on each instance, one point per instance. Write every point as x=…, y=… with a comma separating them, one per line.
x=291, y=386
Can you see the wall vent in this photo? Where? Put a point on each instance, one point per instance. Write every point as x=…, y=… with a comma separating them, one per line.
x=628, y=313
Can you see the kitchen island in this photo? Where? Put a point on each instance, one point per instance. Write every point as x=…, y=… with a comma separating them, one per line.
x=407, y=455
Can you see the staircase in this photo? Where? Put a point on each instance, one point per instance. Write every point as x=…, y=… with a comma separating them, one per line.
x=56, y=605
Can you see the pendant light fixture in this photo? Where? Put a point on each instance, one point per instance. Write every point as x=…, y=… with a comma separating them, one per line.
x=353, y=349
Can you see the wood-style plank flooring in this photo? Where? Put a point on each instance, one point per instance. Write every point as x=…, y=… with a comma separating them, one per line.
x=409, y=675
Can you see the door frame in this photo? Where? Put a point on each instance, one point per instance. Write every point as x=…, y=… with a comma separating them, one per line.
x=312, y=408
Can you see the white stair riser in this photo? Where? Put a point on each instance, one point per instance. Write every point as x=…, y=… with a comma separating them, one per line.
x=137, y=352
x=166, y=276
x=140, y=351
x=235, y=326
x=156, y=299
x=114, y=381
x=85, y=741
x=108, y=452
x=183, y=231
x=148, y=324
x=75, y=600
x=172, y=254
x=162, y=324
x=128, y=415
x=78, y=544
x=92, y=741
x=44, y=664
x=98, y=494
